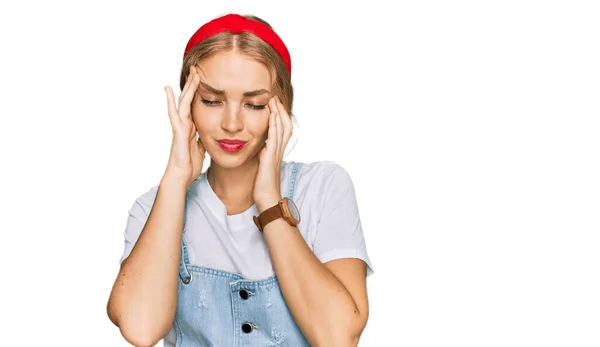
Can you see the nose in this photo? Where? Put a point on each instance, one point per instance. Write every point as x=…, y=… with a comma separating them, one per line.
x=232, y=119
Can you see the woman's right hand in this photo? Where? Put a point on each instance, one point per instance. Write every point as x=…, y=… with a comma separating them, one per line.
x=187, y=153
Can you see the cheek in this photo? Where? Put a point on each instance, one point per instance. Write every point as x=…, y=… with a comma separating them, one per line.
x=257, y=124
x=205, y=118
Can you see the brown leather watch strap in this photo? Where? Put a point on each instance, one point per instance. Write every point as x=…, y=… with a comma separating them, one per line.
x=267, y=216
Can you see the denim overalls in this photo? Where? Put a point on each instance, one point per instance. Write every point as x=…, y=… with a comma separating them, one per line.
x=222, y=309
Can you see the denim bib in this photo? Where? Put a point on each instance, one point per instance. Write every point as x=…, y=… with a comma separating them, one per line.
x=219, y=308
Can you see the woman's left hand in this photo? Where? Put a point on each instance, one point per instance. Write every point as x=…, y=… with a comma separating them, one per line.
x=266, y=192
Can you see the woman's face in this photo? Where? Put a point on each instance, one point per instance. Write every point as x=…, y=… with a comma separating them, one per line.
x=231, y=103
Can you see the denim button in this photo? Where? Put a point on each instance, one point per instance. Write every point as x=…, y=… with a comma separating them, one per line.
x=186, y=280
x=247, y=328
x=244, y=294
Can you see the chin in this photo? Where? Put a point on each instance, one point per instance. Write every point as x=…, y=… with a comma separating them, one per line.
x=232, y=160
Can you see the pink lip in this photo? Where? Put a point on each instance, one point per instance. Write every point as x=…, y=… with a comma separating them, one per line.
x=232, y=142
x=231, y=146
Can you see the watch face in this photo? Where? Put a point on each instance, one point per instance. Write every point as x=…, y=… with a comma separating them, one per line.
x=293, y=210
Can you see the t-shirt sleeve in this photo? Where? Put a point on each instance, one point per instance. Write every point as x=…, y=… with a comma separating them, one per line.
x=339, y=231
x=138, y=215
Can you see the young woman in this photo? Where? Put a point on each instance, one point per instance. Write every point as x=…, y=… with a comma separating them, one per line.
x=256, y=251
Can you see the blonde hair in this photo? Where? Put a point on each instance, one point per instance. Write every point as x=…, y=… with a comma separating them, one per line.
x=251, y=46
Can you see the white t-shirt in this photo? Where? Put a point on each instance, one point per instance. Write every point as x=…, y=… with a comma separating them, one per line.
x=330, y=223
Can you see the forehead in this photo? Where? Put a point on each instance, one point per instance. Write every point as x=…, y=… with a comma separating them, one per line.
x=233, y=72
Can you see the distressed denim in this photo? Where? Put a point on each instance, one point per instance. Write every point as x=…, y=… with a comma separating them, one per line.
x=221, y=309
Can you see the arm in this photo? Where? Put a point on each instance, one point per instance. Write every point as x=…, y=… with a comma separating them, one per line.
x=328, y=301
x=325, y=289
x=143, y=299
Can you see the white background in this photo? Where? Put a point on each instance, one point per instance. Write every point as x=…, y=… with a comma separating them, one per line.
x=470, y=129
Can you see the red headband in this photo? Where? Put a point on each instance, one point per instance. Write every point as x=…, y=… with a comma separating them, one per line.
x=234, y=23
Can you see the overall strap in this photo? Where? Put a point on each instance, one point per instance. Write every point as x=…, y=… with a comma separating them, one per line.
x=294, y=175
x=186, y=276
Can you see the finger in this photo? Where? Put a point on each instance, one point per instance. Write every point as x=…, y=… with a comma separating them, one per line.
x=188, y=81
x=201, y=145
x=271, y=104
x=279, y=127
x=172, y=110
x=276, y=131
x=187, y=97
x=262, y=149
x=286, y=120
x=272, y=141
x=188, y=85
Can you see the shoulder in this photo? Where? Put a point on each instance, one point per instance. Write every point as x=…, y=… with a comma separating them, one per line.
x=323, y=175
x=143, y=203
x=320, y=169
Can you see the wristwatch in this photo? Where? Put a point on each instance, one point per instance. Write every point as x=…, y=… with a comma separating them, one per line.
x=285, y=209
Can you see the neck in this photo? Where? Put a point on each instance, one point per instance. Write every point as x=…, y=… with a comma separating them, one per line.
x=233, y=184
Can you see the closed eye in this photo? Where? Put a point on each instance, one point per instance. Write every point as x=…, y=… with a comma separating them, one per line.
x=256, y=107
x=216, y=102
x=210, y=102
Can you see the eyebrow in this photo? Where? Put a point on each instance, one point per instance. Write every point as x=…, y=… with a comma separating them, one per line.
x=222, y=92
